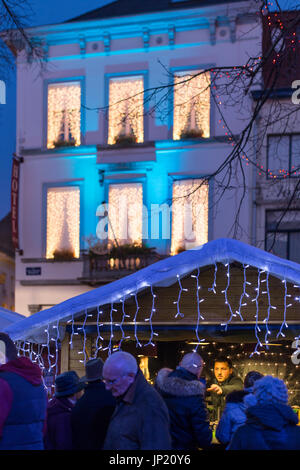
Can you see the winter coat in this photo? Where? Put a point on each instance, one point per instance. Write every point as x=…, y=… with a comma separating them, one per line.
x=268, y=426
x=234, y=415
x=184, y=396
x=23, y=402
x=218, y=401
x=91, y=415
x=59, y=430
x=140, y=420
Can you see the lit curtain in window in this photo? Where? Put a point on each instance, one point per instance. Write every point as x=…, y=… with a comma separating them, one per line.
x=126, y=108
x=63, y=221
x=191, y=104
x=125, y=213
x=189, y=214
x=64, y=103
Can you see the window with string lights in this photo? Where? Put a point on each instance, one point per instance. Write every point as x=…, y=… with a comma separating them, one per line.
x=283, y=239
x=125, y=213
x=283, y=159
x=64, y=114
x=126, y=110
x=189, y=214
x=191, y=105
x=63, y=223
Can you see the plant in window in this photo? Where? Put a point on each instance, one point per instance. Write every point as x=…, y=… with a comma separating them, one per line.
x=191, y=134
x=131, y=249
x=64, y=143
x=63, y=255
x=126, y=135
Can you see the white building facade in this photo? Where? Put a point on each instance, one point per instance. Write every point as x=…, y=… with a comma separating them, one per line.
x=106, y=159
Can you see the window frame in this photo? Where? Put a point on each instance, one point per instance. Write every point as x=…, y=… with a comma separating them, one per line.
x=53, y=81
x=135, y=73
x=173, y=71
x=281, y=230
x=46, y=186
x=290, y=136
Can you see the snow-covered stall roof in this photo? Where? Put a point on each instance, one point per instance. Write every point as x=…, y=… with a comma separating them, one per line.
x=161, y=274
x=7, y=317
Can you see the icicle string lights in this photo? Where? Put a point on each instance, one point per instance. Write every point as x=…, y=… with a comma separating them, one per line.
x=138, y=344
x=153, y=310
x=284, y=323
x=178, y=299
x=214, y=285
x=225, y=292
x=257, y=329
x=199, y=316
x=99, y=337
x=244, y=293
x=124, y=315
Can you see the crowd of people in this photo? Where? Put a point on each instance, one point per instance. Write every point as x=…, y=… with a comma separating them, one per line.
x=113, y=407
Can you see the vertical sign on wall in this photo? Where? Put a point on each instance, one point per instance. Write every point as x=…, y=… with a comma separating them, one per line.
x=15, y=202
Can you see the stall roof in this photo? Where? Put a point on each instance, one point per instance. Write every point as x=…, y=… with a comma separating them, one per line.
x=7, y=317
x=161, y=274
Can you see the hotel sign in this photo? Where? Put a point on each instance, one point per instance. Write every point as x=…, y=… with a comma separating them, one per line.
x=15, y=202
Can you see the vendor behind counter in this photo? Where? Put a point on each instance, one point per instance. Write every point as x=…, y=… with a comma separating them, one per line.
x=224, y=382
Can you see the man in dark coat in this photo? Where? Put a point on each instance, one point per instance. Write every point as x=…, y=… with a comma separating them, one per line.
x=224, y=382
x=184, y=395
x=23, y=400
x=92, y=412
x=59, y=430
x=271, y=424
x=140, y=420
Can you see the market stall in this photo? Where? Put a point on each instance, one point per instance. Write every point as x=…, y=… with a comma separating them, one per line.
x=223, y=297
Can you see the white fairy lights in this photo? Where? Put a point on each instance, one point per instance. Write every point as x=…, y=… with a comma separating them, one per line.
x=126, y=108
x=63, y=220
x=189, y=214
x=199, y=315
x=191, y=103
x=125, y=213
x=64, y=116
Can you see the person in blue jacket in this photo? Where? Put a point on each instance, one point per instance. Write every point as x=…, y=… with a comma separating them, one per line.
x=234, y=414
x=271, y=423
x=23, y=400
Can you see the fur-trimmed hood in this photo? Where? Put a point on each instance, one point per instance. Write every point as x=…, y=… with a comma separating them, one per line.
x=169, y=382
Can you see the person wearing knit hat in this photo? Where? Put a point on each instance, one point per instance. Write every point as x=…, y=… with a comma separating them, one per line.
x=271, y=423
x=68, y=388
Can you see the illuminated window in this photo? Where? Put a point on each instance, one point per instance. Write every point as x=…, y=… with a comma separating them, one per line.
x=64, y=104
x=125, y=213
x=126, y=110
x=189, y=214
x=191, y=105
x=63, y=222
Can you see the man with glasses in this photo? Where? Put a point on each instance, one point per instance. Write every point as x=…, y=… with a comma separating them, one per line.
x=141, y=419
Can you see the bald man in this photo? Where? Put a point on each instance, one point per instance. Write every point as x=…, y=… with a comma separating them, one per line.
x=141, y=419
x=184, y=395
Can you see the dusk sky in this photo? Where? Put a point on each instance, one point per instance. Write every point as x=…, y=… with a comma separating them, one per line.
x=44, y=12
